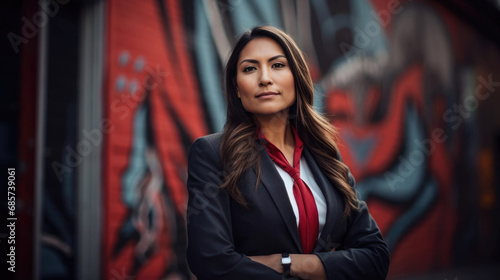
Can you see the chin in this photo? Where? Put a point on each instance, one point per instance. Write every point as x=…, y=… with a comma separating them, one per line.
x=269, y=112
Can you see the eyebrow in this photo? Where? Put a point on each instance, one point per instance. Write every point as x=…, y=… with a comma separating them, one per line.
x=269, y=60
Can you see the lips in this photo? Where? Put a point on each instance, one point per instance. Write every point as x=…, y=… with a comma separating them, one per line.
x=266, y=94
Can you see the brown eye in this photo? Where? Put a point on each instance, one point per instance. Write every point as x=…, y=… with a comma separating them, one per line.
x=248, y=69
x=278, y=65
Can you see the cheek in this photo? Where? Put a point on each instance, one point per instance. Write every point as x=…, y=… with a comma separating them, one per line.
x=243, y=91
x=290, y=84
x=244, y=86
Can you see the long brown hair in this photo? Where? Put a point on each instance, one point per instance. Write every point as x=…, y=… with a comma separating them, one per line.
x=239, y=150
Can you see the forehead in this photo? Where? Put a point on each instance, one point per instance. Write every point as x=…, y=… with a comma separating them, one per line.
x=260, y=48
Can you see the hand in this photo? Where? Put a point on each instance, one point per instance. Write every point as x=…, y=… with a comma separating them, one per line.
x=307, y=266
x=273, y=261
x=304, y=266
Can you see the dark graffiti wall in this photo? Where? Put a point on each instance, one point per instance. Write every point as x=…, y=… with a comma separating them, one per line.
x=154, y=106
x=411, y=87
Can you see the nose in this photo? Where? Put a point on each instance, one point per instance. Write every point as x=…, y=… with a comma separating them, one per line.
x=265, y=78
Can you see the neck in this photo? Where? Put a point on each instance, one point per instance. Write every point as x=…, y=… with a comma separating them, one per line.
x=277, y=130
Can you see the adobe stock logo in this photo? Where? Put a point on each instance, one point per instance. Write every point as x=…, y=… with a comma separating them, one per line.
x=74, y=157
x=455, y=117
x=362, y=37
x=48, y=8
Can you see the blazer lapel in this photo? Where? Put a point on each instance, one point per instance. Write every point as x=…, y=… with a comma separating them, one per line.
x=272, y=181
x=333, y=203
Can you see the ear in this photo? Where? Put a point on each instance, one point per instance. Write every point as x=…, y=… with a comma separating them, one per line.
x=238, y=92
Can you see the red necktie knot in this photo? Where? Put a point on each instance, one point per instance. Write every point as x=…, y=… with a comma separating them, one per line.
x=295, y=174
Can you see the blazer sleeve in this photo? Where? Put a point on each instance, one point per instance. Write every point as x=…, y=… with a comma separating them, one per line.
x=363, y=254
x=211, y=253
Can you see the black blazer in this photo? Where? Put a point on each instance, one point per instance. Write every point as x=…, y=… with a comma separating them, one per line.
x=222, y=233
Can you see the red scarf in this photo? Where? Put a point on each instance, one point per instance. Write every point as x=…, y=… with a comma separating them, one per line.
x=308, y=213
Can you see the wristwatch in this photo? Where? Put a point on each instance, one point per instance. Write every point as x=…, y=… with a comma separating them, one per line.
x=286, y=261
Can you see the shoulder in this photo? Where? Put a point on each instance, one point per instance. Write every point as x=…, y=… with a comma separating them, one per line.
x=205, y=152
x=206, y=146
x=213, y=140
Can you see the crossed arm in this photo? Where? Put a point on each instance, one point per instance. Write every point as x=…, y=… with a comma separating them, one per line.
x=304, y=266
x=211, y=251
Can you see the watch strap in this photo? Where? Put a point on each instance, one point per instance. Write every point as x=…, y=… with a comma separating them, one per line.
x=286, y=263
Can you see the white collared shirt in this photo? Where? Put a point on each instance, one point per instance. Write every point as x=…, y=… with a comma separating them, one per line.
x=307, y=176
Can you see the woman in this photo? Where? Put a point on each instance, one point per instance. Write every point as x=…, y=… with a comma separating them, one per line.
x=269, y=197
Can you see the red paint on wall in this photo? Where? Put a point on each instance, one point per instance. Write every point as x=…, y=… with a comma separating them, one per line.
x=136, y=28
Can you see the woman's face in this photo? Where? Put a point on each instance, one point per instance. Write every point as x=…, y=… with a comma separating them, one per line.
x=264, y=78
